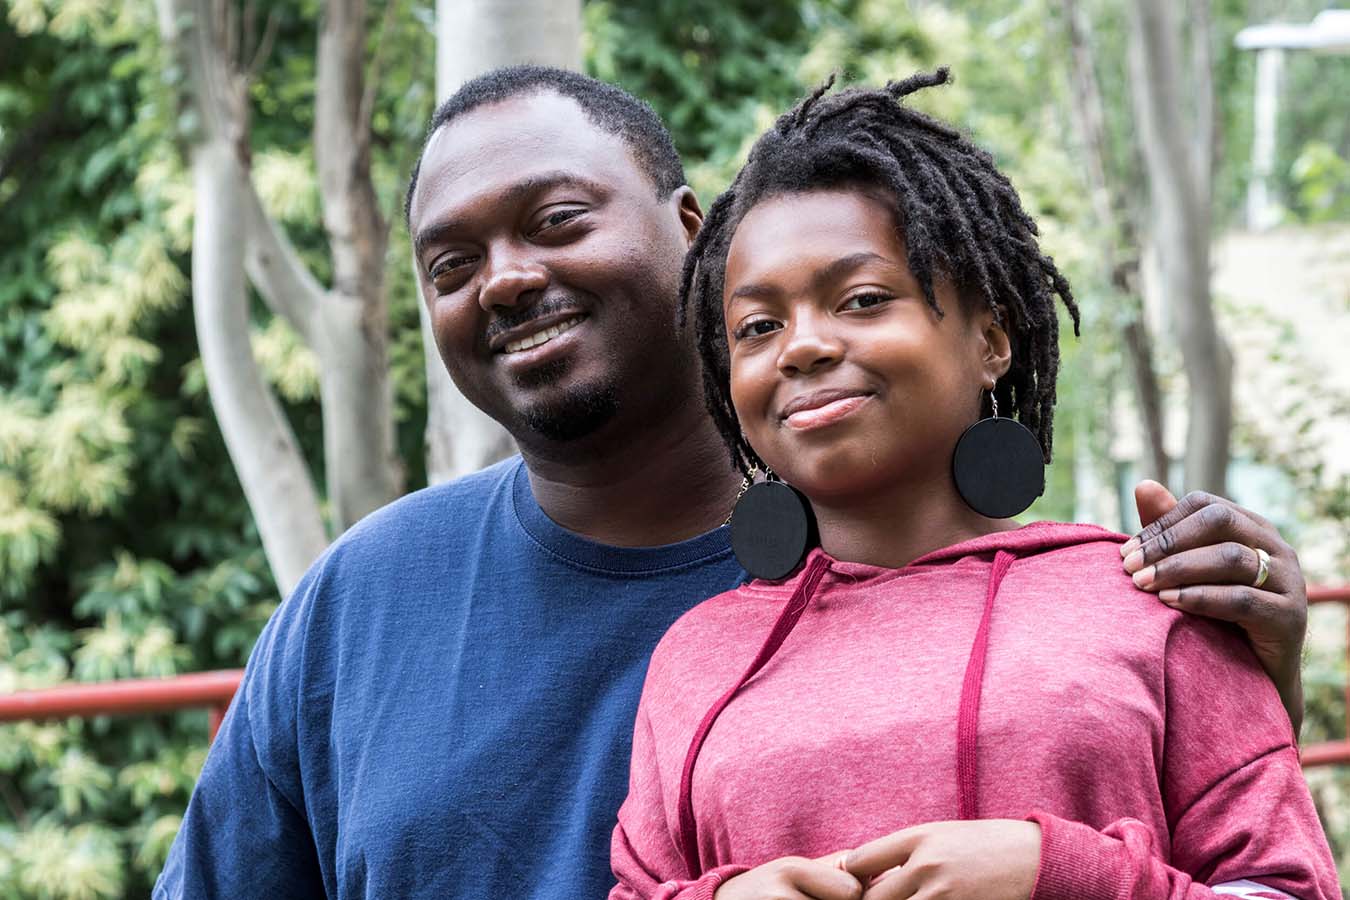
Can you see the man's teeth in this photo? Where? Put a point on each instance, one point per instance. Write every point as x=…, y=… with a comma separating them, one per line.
x=542, y=337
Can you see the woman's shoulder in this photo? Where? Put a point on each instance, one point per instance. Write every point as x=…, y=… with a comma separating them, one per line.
x=729, y=625
x=1083, y=586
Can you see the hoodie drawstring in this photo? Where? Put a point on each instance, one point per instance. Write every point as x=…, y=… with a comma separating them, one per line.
x=787, y=620
x=967, y=719
x=968, y=715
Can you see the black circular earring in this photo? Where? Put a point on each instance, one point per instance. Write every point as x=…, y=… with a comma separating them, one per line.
x=772, y=527
x=998, y=466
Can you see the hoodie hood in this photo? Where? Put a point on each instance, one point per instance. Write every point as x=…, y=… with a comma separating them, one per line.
x=1028, y=540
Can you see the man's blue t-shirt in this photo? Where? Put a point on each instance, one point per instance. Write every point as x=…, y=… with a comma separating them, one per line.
x=442, y=708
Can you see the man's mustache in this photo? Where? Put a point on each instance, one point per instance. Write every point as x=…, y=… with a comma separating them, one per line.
x=505, y=321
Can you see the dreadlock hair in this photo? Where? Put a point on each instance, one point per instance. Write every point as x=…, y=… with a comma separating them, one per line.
x=960, y=216
x=610, y=108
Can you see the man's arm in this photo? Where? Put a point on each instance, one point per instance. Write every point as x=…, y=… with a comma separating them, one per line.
x=246, y=832
x=1199, y=555
x=241, y=836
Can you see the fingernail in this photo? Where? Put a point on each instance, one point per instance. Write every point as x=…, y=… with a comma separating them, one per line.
x=1144, y=577
x=1129, y=546
x=1169, y=596
x=1135, y=561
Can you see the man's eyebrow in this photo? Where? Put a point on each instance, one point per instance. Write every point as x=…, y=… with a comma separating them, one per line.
x=841, y=266
x=518, y=191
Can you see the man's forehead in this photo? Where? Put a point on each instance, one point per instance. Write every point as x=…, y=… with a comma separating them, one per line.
x=514, y=140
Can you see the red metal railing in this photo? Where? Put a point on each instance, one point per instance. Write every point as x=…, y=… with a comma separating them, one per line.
x=1332, y=753
x=212, y=690
x=215, y=689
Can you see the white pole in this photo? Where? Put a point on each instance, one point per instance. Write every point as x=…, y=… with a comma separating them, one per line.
x=1262, y=210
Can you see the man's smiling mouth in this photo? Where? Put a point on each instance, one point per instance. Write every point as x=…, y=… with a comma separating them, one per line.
x=541, y=336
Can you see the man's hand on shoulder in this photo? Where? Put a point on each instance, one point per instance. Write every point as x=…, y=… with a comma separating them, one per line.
x=1200, y=555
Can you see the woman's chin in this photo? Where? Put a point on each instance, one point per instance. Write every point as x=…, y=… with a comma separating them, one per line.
x=849, y=479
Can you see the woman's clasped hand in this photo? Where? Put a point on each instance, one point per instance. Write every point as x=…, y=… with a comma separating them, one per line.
x=990, y=859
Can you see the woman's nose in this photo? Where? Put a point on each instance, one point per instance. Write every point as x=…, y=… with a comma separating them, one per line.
x=810, y=346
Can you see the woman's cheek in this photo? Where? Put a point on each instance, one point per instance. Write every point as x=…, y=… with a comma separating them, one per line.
x=751, y=397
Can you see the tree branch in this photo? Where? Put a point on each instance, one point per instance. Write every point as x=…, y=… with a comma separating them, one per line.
x=373, y=80
x=1202, y=88
x=357, y=231
x=285, y=283
x=264, y=46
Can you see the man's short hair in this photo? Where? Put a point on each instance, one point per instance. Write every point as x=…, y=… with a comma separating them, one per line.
x=611, y=108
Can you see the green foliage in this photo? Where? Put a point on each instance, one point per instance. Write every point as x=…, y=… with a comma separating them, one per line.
x=1322, y=179
x=126, y=547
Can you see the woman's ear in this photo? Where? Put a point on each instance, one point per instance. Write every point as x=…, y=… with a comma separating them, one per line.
x=995, y=345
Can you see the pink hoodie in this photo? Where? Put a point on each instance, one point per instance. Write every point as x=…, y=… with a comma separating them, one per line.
x=1017, y=675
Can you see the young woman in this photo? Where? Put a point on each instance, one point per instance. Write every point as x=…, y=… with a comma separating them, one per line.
x=936, y=703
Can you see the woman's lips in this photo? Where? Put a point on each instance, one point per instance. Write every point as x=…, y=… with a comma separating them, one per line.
x=827, y=414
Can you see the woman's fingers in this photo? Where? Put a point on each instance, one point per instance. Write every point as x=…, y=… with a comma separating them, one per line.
x=822, y=880
x=795, y=877
x=885, y=853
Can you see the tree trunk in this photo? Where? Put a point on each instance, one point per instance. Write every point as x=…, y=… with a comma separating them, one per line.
x=1120, y=246
x=360, y=449
x=473, y=36
x=260, y=442
x=1180, y=201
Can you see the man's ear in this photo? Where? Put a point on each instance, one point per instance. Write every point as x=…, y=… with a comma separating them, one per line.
x=995, y=345
x=689, y=212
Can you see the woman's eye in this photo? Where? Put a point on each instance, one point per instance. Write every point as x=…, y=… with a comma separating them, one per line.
x=757, y=328
x=864, y=301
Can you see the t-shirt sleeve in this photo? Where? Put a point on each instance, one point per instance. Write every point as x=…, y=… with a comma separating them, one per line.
x=644, y=853
x=1237, y=806
x=245, y=832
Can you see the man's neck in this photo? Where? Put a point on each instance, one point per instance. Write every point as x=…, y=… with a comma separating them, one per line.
x=665, y=481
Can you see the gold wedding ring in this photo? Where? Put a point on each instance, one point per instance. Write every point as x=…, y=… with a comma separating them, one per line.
x=1262, y=567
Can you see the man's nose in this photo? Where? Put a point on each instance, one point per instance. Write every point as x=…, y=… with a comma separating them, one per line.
x=510, y=278
x=810, y=346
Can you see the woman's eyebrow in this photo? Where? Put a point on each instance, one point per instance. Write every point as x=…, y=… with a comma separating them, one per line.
x=847, y=264
x=832, y=272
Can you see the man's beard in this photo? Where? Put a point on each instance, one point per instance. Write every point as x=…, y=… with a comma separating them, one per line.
x=579, y=412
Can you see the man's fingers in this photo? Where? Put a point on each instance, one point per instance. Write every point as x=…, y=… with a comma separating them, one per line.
x=1187, y=506
x=1212, y=524
x=1153, y=501
x=1226, y=563
x=1239, y=604
x=875, y=857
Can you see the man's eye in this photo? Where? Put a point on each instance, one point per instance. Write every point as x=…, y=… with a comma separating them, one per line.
x=865, y=301
x=558, y=217
x=757, y=328
x=449, y=264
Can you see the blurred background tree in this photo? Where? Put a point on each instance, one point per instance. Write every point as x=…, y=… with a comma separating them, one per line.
x=127, y=546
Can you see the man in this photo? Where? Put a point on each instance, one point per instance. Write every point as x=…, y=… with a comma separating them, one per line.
x=443, y=708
